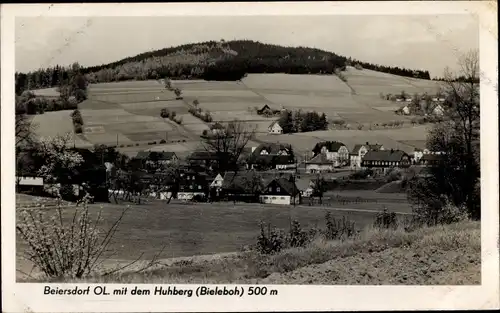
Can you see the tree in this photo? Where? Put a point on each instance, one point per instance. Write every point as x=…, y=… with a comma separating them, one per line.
x=228, y=143
x=319, y=187
x=253, y=183
x=456, y=178
x=59, y=163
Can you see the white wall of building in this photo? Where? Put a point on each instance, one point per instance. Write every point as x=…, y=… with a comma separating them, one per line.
x=276, y=199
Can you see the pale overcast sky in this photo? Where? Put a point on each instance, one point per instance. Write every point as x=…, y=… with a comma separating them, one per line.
x=417, y=42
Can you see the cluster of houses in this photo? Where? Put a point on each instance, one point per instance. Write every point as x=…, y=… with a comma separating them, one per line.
x=270, y=172
x=433, y=107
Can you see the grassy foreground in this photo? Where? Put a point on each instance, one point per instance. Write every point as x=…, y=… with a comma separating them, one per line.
x=445, y=255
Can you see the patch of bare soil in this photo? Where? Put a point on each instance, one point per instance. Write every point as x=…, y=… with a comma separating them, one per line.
x=394, y=266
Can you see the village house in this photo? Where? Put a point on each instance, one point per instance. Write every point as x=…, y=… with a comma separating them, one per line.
x=192, y=184
x=281, y=190
x=430, y=159
x=436, y=109
x=384, y=160
x=275, y=128
x=359, y=151
x=334, y=151
x=205, y=160
x=272, y=156
x=319, y=164
x=264, y=109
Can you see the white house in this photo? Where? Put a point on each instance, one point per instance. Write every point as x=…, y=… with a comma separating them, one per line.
x=359, y=151
x=405, y=110
x=280, y=191
x=334, y=151
x=275, y=128
x=217, y=182
x=438, y=110
x=319, y=164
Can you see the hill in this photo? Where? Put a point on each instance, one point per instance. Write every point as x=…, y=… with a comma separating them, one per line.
x=209, y=60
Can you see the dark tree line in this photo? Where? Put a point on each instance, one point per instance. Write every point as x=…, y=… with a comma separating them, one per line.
x=392, y=70
x=209, y=60
x=300, y=122
x=70, y=80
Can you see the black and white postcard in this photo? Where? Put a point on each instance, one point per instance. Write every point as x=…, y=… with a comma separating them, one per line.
x=249, y=156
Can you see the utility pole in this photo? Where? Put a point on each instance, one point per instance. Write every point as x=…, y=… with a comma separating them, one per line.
x=117, y=140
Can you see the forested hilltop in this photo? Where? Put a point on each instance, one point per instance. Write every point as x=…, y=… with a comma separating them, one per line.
x=212, y=60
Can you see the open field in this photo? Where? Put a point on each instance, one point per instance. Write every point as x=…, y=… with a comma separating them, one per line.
x=372, y=83
x=442, y=255
x=189, y=229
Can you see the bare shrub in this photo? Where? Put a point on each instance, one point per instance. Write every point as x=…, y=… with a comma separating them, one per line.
x=298, y=237
x=386, y=219
x=60, y=248
x=338, y=229
x=270, y=241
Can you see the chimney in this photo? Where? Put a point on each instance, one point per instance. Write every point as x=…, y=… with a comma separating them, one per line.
x=367, y=143
x=392, y=150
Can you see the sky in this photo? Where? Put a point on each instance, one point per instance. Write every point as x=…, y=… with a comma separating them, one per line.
x=417, y=42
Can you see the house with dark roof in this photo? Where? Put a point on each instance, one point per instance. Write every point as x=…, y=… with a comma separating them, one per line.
x=319, y=164
x=430, y=159
x=334, y=151
x=206, y=160
x=281, y=190
x=193, y=183
x=263, y=109
x=359, y=151
x=384, y=160
x=272, y=156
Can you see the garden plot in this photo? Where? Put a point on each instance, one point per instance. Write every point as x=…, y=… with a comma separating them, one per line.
x=226, y=100
x=154, y=108
x=408, y=133
x=126, y=84
x=138, y=127
x=186, y=85
x=52, y=124
x=135, y=97
x=312, y=103
x=150, y=136
x=193, y=124
x=236, y=106
x=371, y=116
x=220, y=93
x=295, y=82
x=121, y=91
x=107, y=117
x=225, y=116
x=108, y=138
x=93, y=104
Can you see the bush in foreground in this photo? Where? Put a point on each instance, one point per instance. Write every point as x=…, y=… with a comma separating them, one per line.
x=67, y=241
